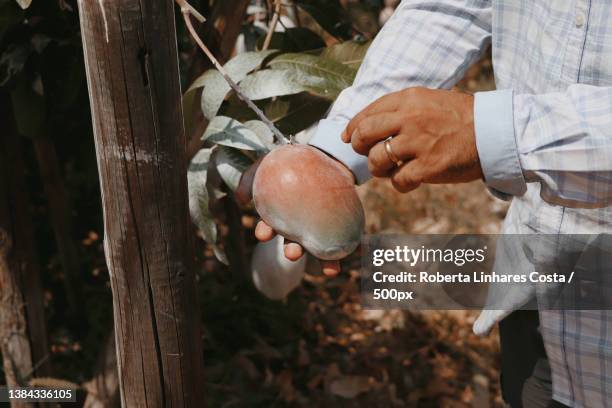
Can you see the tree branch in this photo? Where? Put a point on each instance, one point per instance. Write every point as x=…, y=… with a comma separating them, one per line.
x=272, y=26
x=186, y=10
x=186, y=7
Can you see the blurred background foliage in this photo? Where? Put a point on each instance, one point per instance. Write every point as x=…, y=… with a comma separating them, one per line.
x=315, y=348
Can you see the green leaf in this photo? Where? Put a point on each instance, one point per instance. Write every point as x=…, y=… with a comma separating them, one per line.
x=207, y=78
x=321, y=76
x=294, y=113
x=199, y=200
x=270, y=83
x=349, y=53
x=197, y=175
x=263, y=132
x=277, y=109
x=231, y=163
x=214, y=92
x=24, y=4
x=229, y=132
x=242, y=64
x=237, y=68
x=188, y=109
x=216, y=87
x=234, y=107
x=294, y=40
x=220, y=254
x=304, y=110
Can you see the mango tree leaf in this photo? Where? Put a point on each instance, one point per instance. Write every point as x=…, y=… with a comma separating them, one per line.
x=349, y=53
x=263, y=132
x=197, y=175
x=294, y=113
x=237, y=68
x=216, y=87
x=199, y=200
x=319, y=75
x=207, y=78
x=277, y=109
x=234, y=107
x=231, y=163
x=24, y=4
x=270, y=83
x=294, y=40
x=213, y=94
x=188, y=109
x=229, y=132
x=304, y=110
x=220, y=254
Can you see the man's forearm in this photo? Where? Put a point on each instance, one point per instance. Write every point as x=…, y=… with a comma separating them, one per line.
x=425, y=43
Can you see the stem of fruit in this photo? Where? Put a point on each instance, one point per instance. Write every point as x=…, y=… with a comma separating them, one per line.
x=187, y=10
x=272, y=27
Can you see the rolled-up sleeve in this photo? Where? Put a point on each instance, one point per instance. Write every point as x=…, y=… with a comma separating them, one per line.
x=496, y=143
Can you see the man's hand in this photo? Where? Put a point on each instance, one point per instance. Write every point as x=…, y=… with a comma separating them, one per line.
x=433, y=135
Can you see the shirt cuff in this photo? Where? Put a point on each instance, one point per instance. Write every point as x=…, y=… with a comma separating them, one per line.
x=327, y=138
x=496, y=143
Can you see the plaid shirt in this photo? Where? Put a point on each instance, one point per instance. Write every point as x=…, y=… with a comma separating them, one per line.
x=544, y=138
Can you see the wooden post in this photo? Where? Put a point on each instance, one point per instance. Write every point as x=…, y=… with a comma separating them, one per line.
x=133, y=78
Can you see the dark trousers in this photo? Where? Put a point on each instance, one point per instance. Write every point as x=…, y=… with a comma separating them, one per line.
x=525, y=373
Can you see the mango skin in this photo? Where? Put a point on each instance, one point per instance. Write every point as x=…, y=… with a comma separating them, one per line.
x=274, y=275
x=308, y=197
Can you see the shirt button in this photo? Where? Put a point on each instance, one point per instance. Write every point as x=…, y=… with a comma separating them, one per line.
x=579, y=20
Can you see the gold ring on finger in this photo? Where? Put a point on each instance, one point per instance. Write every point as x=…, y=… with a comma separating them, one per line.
x=390, y=154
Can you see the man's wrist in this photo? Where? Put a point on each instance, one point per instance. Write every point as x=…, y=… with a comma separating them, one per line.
x=327, y=139
x=496, y=142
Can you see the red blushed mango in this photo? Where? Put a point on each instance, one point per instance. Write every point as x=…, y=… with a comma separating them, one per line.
x=309, y=198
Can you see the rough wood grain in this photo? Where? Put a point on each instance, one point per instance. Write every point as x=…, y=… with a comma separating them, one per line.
x=133, y=79
x=14, y=344
x=14, y=340
x=25, y=255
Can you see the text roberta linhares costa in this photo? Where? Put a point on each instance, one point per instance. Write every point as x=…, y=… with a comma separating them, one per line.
x=475, y=277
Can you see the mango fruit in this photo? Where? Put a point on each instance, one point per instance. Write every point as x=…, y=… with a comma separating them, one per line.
x=308, y=197
x=273, y=274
